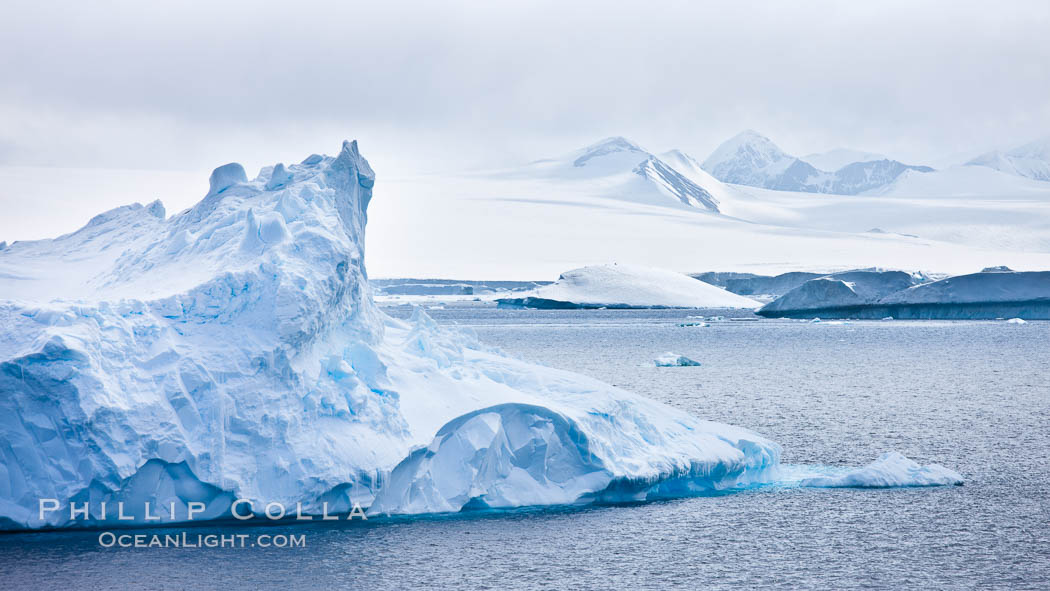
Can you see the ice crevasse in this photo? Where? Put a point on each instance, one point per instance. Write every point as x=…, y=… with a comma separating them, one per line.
x=233, y=351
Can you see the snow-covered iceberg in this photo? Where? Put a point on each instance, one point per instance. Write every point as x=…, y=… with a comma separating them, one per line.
x=233, y=351
x=889, y=470
x=628, y=286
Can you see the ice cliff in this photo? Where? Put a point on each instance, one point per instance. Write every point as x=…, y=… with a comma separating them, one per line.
x=845, y=290
x=992, y=293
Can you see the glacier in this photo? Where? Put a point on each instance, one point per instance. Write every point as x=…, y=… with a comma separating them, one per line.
x=995, y=292
x=839, y=291
x=233, y=351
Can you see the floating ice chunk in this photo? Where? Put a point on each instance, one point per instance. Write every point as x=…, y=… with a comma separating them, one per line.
x=674, y=360
x=226, y=176
x=1016, y=321
x=892, y=469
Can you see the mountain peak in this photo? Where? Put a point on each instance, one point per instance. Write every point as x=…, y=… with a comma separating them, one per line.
x=609, y=145
x=745, y=157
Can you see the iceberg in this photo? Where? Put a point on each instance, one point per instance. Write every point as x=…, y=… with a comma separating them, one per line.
x=674, y=360
x=889, y=470
x=628, y=286
x=233, y=351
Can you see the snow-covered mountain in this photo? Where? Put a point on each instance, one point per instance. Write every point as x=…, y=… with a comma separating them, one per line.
x=635, y=173
x=754, y=160
x=1031, y=160
x=839, y=157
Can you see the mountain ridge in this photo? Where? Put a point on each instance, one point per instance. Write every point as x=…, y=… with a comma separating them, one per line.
x=752, y=159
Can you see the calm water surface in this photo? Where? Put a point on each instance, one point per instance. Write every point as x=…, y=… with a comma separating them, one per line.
x=974, y=396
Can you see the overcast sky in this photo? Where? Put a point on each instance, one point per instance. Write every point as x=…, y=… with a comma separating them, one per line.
x=424, y=85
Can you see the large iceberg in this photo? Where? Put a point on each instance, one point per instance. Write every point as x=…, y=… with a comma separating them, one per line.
x=628, y=286
x=233, y=351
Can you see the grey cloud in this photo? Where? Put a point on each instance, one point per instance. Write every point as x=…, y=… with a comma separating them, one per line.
x=190, y=84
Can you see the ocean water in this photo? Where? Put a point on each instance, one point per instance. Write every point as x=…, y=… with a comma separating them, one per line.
x=973, y=396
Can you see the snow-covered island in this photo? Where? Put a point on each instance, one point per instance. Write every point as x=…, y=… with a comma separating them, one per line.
x=628, y=286
x=234, y=351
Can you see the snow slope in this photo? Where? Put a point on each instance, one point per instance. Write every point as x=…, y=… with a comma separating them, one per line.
x=622, y=166
x=535, y=221
x=964, y=181
x=628, y=286
x=1031, y=160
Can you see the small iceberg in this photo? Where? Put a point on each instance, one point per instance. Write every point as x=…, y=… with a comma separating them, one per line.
x=892, y=469
x=674, y=360
x=1016, y=321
